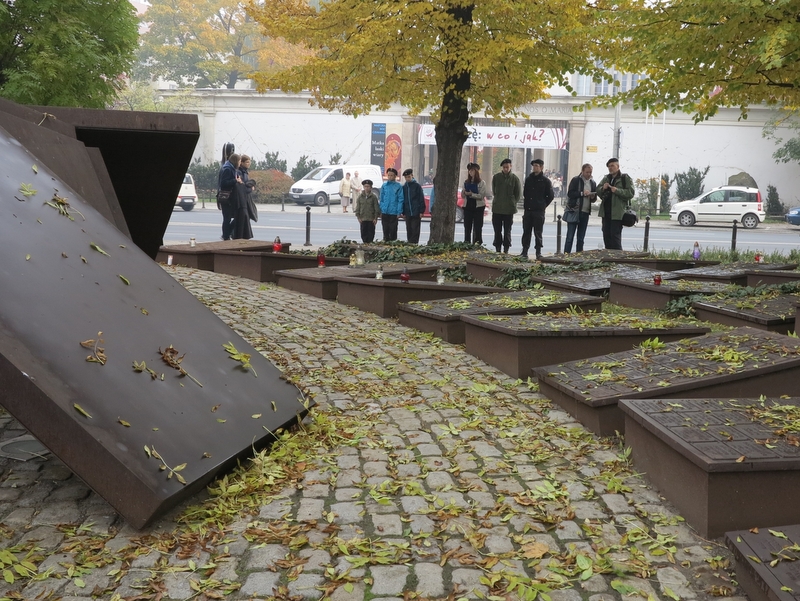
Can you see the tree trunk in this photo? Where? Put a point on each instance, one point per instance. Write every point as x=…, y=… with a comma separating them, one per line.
x=451, y=133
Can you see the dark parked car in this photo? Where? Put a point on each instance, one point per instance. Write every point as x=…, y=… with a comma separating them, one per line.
x=793, y=216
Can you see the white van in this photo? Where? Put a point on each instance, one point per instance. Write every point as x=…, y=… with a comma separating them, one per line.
x=323, y=182
x=187, y=197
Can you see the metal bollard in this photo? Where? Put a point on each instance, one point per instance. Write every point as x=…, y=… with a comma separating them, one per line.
x=308, y=227
x=283, y=202
x=558, y=235
x=733, y=237
x=646, y=233
x=329, y=203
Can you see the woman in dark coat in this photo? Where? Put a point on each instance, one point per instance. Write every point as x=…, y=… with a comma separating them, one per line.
x=245, y=207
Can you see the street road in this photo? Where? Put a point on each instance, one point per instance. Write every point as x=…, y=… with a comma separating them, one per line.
x=204, y=225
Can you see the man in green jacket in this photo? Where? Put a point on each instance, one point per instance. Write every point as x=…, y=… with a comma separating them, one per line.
x=615, y=190
x=506, y=190
x=368, y=211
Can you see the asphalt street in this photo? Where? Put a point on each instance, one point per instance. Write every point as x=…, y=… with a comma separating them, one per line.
x=290, y=225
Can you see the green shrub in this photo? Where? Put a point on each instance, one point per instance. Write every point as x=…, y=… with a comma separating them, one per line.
x=271, y=186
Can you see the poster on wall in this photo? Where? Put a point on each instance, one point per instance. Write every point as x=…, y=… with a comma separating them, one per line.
x=394, y=147
x=378, y=145
x=546, y=138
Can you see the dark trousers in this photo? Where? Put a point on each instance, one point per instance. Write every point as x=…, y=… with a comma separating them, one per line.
x=532, y=221
x=473, y=225
x=367, y=232
x=612, y=234
x=502, y=231
x=580, y=227
x=228, y=213
x=389, y=224
x=412, y=228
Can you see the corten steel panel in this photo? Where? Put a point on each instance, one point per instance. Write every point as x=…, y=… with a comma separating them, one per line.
x=81, y=168
x=755, y=552
x=57, y=289
x=234, y=262
x=485, y=271
x=382, y=296
x=730, y=273
x=38, y=117
x=600, y=254
x=147, y=155
x=701, y=455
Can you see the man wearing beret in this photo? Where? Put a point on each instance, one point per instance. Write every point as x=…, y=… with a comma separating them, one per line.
x=537, y=196
x=391, y=204
x=413, y=206
x=367, y=211
x=616, y=190
x=506, y=189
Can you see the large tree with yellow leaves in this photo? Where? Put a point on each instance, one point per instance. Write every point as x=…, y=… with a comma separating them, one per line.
x=699, y=55
x=453, y=57
x=208, y=43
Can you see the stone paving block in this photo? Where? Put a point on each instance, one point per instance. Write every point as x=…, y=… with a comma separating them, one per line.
x=430, y=581
x=306, y=586
x=62, y=512
x=389, y=580
x=670, y=579
x=439, y=480
x=414, y=505
x=468, y=580
x=387, y=525
x=347, y=512
x=341, y=594
x=318, y=559
x=260, y=584
x=617, y=503
x=310, y=509
x=264, y=558
x=46, y=537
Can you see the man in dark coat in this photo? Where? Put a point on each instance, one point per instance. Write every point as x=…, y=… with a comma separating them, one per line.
x=413, y=206
x=537, y=194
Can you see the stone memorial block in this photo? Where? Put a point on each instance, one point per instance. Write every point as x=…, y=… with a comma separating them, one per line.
x=724, y=463
x=443, y=317
x=742, y=362
x=515, y=344
x=767, y=565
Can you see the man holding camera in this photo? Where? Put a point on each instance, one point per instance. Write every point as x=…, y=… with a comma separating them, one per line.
x=615, y=191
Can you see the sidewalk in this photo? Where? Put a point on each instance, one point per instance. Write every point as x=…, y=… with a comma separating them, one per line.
x=422, y=474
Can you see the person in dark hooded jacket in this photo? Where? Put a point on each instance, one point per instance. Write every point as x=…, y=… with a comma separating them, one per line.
x=413, y=206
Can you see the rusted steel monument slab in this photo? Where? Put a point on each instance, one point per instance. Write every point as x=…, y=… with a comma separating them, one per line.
x=146, y=155
x=109, y=362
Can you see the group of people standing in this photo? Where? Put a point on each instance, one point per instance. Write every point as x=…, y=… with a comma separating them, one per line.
x=235, y=195
x=396, y=199
x=615, y=192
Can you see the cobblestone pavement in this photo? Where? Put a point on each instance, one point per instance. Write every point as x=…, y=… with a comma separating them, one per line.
x=427, y=475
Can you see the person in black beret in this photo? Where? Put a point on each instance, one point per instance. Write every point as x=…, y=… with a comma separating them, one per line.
x=413, y=206
x=537, y=196
x=367, y=211
x=506, y=189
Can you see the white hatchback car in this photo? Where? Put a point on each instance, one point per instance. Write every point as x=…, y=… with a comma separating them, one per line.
x=722, y=204
x=187, y=197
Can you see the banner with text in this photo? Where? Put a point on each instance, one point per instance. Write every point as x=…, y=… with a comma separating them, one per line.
x=554, y=138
